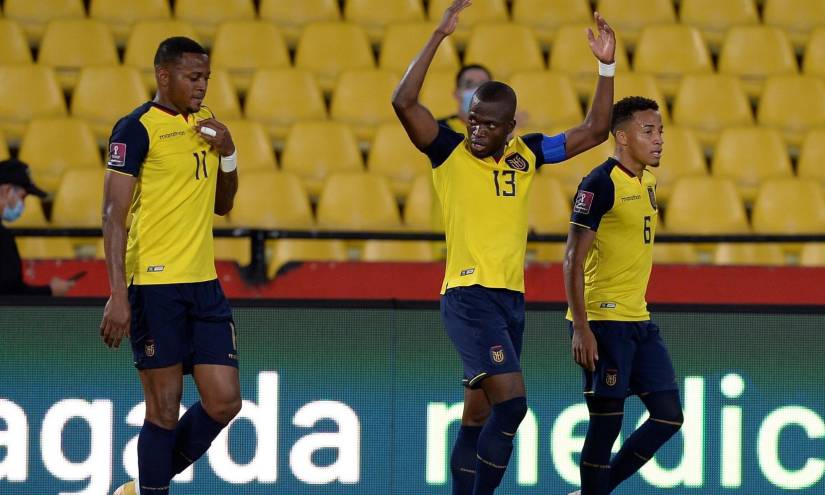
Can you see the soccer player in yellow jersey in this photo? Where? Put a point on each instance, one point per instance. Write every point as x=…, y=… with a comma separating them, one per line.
x=606, y=269
x=467, y=81
x=174, y=166
x=483, y=181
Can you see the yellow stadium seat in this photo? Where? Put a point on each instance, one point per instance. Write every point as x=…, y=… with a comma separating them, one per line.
x=143, y=43
x=79, y=199
x=571, y=55
x=237, y=250
x=393, y=155
x=403, y=41
x=120, y=16
x=682, y=157
x=636, y=84
x=571, y=172
x=438, y=93
x=4, y=148
x=289, y=250
x=521, y=52
x=545, y=252
x=119, y=86
x=221, y=97
x=313, y=150
x=14, y=49
x=69, y=45
x=674, y=253
x=398, y=251
x=362, y=100
x=754, y=53
x=34, y=15
x=713, y=18
x=630, y=16
x=241, y=47
x=670, y=51
x=33, y=215
x=748, y=254
x=813, y=254
x=291, y=17
x=706, y=205
x=547, y=99
x=45, y=248
x=812, y=156
x=789, y=206
x=252, y=144
x=796, y=17
x=357, y=201
x=278, y=98
x=271, y=200
x=548, y=210
x=422, y=211
x=328, y=48
x=750, y=155
x=26, y=93
x=707, y=103
x=814, y=62
x=793, y=105
x=53, y=145
x=480, y=11
x=205, y=15
x=376, y=15
x=544, y=17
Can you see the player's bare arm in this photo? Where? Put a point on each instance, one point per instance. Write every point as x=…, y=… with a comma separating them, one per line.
x=227, y=181
x=117, y=197
x=596, y=126
x=579, y=241
x=419, y=123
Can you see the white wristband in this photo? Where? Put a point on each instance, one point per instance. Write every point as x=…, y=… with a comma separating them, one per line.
x=607, y=70
x=229, y=163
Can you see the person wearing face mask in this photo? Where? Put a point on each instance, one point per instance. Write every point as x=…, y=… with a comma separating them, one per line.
x=467, y=81
x=15, y=185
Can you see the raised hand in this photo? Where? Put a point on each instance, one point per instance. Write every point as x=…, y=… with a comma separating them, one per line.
x=604, y=47
x=450, y=18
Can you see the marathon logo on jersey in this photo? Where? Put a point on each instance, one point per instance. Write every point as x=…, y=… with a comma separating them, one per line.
x=584, y=200
x=156, y=268
x=468, y=271
x=517, y=162
x=117, y=154
x=611, y=377
x=607, y=305
x=149, y=348
x=651, y=193
x=497, y=354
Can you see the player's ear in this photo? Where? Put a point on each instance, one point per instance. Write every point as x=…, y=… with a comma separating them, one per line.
x=510, y=126
x=621, y=136
x=162, y=75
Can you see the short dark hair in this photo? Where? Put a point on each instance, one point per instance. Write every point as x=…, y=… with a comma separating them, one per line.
x=466, y=68
x=624, y=109
x=172, y=49
x=497, y=92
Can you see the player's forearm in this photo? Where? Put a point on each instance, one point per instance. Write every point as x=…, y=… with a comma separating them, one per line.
x=574, y=288
x=598, y=117
x=226, y=190
x=114, y=245
x=406, y=94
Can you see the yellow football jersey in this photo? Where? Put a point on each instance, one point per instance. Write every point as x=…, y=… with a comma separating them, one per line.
x=484, y=206
x=622, y=209
x=170, y=240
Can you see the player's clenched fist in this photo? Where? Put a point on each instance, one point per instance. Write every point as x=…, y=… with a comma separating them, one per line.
x=216, y=134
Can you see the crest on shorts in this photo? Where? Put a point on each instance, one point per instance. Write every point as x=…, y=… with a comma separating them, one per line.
x=651, y=193
x=149, y=348
x=497, y=354
x=517, y=162
x=611, y=377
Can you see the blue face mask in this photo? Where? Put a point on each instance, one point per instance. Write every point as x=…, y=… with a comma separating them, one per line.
x=467, y=99
x=12, y=213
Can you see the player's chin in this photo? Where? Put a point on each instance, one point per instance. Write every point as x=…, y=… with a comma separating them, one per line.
x=195, y=105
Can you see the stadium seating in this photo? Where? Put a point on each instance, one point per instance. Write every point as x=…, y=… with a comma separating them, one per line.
x=750, y=155
x=237, y=250
x=357, y=201
x=548, y=210
x=682, y=157
x=33, y=215
x=812, y=156
x=251, y=140
x=628, y=17
x=814, y=62
x=394, y=156
x=796, y=17
x=119, y=86
x=205, y=15
x=51, y=146
x=754, y=53
x=403, y=41
x=121, y=16
x=397, y=251
x=35, y=248
x=571, y=172
x=521, y=52
x=789, y=206
x=748, y=254
x=313, y=150
x=438, y=93
x=221, y=97
x=544, y=17
x=675, y=253
x=547, y=99
x=481, y=11
x=278, y=98
x=707, y=103
x=793, y=105
x=79, y=199
x=813, y=254
x=271, y=200
x=33, y=16
x=71, y=44
x=713, y=17
x=670, y=51
x=637, y=84
x=242, y=47
x=422, y=211
x=376, y=15
x=143, y=42
x=706, y=205
x=287, y=250
x=291, y=17
x=328, y=48
x=571, y=55
x=14, y=48
x=362, y=100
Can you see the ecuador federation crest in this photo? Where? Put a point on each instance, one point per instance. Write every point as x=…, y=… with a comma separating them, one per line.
x=149, y=348
x=651, y=193
x=497, y=354
x=611, y=377
x=517, y=162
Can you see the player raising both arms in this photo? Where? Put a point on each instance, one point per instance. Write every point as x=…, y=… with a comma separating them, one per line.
x=482, y=182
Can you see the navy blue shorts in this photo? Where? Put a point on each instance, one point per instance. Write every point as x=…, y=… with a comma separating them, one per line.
x=633, y=359
x=486, y=327
x=182, y=323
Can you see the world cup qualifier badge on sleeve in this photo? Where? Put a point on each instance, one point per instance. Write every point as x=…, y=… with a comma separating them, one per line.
x=117, y=154
x=584, y=200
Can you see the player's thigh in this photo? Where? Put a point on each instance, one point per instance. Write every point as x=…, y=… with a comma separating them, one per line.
x=616, y=347
x=652, y=366
x=159, y=326
x=219, y=386
x=503, y=387
x=162, y=389
x=476, y=407
x=214, y=338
